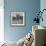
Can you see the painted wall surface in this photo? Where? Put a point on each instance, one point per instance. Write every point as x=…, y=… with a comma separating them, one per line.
x=1, y=21
x=43, y=6
x=29, y=7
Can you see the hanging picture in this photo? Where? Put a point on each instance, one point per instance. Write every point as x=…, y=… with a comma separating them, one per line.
x=17, y=18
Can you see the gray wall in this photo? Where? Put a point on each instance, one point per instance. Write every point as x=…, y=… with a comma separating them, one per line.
x=29, y=7
x=43, y=6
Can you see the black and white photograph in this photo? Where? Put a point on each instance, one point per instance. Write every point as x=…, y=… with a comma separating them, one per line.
x=17, y=18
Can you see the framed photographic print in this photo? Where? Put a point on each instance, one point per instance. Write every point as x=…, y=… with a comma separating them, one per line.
x=17, y=18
